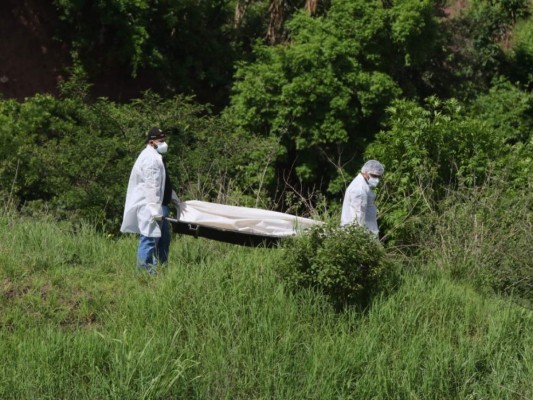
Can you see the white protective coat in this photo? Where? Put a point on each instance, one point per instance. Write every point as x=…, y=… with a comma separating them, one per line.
x=358, y=205
x=145, y=194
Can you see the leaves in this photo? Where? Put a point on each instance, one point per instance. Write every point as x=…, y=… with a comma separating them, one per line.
x=428, y=151
x=76, y=157
x=347, y=264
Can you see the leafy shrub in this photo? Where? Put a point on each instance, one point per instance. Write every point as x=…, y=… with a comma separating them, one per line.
x=521, y=54
x=74, y=158
x=427, y=150
x=507, y=110
x=347, y=264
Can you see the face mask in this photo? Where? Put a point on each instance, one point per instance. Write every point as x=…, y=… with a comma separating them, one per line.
x=162, y=148
x=373, y=182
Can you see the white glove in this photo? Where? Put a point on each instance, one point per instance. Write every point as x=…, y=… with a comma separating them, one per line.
x=156, y=212
x=157, y=217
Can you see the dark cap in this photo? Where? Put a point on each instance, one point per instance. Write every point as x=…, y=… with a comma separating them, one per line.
x=155, y=134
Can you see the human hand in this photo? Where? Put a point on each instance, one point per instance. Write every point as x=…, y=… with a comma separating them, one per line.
x=157, y=217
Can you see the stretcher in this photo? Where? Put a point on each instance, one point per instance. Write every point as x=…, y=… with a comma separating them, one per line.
x=244, y=226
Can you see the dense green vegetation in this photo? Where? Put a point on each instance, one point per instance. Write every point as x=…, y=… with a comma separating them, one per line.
x=277, y=105
x=437, y=91
x=304, y=107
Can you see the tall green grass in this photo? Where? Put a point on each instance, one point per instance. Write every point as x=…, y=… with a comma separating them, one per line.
x=485, y=235
x=79, y=322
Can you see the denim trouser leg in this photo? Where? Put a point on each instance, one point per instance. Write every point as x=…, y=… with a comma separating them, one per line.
x=163, y=244
x=154, y=249
x=146, y=253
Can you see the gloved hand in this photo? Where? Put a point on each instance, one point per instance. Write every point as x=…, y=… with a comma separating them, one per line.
x=157, y=217
x=156, y=212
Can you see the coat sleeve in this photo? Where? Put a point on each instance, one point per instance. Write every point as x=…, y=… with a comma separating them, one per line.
x=358, y=206
x=152, y=182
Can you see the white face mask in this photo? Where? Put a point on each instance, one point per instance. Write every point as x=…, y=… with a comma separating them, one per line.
x=373, y=182
x=162, y=148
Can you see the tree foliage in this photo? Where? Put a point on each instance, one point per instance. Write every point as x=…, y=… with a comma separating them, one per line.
x=324, y=92
x=521, y=53
x=74, y=158
x=178, y=46
x=480, y=43
x=181, y=46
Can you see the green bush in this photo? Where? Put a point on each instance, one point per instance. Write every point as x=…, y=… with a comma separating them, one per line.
x=426, y=151
x=521, y=54
x=73, y=158
x=347, y=264
x=507, y=110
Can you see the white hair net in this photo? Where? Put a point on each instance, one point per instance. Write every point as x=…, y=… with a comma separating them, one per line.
x=373, y=167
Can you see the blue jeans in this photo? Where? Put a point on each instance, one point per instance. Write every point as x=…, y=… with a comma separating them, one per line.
x=154, y=250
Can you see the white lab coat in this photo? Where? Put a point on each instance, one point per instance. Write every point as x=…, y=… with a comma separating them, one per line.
x=144, y=197
x=358, y=205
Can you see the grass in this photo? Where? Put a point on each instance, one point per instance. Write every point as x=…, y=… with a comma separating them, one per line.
x=78, y=322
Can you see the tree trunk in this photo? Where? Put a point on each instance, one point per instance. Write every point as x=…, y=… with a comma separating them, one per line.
x=310, y=6
x=277, y=18
x=240, y=11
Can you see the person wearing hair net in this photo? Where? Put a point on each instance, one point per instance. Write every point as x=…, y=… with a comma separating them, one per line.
x=148, y=196
x=358, y=206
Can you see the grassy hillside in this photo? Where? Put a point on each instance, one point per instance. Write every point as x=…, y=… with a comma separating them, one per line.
x=78, y=322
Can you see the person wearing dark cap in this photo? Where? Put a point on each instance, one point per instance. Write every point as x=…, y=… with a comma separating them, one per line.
x=148, y=196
